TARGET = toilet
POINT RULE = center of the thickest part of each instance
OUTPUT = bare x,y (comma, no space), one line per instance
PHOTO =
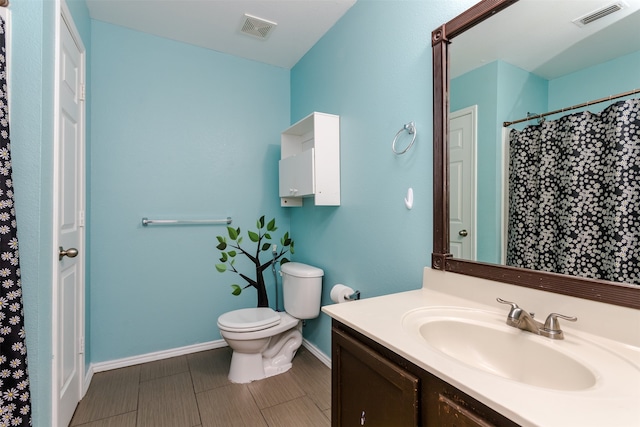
264,341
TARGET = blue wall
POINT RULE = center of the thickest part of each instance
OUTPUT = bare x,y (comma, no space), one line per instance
609,78
167,134
519,93
178,132
31,109
374,70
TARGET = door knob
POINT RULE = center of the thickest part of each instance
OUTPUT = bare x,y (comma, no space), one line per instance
463,233
71,253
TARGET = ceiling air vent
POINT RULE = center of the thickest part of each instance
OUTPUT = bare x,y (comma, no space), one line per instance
257,27
600,13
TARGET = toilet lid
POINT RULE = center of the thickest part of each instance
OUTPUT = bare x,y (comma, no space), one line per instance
248,319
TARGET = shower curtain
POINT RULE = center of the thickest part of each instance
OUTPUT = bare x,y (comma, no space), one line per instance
15,406
574,195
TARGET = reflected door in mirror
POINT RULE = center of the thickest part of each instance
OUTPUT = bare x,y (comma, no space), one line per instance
462,181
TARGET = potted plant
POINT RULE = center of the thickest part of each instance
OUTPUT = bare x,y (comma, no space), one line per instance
230,249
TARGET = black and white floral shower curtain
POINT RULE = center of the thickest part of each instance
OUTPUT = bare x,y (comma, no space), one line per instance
574,195
15,406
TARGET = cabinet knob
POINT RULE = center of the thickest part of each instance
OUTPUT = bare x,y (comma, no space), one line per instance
293,191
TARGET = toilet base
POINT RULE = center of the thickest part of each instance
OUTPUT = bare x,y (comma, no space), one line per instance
275,360
246,368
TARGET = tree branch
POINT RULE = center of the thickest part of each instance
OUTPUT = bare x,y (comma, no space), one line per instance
253,259
266,265
249,280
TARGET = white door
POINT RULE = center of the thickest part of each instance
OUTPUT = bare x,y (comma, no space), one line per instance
462,183
68,294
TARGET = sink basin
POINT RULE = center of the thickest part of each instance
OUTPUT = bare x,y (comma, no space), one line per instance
483,341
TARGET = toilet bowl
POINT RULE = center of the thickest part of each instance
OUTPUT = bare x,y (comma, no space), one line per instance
260,352
264,341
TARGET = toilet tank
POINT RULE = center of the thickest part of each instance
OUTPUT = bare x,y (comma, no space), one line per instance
301,289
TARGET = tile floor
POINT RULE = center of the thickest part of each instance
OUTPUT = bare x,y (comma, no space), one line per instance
193,391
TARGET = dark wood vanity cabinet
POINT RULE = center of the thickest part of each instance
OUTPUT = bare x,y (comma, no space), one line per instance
373,386
368,389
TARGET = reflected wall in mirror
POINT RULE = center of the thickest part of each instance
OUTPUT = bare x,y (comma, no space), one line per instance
492,66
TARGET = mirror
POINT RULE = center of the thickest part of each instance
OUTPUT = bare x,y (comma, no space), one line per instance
535,69
444,41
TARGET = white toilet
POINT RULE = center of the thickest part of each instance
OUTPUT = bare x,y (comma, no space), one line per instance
264,341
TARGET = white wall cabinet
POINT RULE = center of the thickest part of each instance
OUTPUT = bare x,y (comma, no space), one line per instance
310,161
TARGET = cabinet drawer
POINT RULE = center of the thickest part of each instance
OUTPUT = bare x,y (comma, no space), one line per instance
451,414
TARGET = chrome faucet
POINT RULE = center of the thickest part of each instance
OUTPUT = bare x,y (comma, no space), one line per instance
519,318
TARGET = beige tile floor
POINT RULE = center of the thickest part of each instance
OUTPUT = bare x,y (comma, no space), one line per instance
193,391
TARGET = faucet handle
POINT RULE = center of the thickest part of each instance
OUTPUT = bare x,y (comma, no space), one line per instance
512,304
552,323
551,326
514,314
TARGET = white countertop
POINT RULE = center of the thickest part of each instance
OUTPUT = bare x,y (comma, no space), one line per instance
613,401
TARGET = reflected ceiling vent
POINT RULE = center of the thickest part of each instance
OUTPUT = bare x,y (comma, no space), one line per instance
257,27
598,14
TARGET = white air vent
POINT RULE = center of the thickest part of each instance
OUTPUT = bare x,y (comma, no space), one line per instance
257,27
598,14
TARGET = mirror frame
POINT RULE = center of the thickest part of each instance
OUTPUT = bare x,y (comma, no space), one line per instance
592,289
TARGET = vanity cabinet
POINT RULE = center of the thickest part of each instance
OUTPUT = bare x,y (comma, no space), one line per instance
309,164
373,386
371,390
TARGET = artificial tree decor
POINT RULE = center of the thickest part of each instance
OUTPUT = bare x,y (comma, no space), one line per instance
229,250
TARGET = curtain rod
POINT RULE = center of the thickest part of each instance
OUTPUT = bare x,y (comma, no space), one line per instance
597,101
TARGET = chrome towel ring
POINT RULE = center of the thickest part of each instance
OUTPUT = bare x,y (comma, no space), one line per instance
411,129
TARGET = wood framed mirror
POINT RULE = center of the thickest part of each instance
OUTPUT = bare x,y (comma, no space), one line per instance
598,290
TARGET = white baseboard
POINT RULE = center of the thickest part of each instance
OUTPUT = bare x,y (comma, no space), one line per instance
88,376
317,353
157,355
180,351
149,357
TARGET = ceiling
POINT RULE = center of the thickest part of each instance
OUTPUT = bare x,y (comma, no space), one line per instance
540,37
216,24
535,35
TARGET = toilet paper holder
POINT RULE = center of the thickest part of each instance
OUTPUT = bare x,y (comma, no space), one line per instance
354,296
341,293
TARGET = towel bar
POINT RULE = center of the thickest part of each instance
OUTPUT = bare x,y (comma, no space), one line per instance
147,221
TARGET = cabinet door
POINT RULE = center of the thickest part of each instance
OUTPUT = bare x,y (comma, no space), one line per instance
368,389
297,175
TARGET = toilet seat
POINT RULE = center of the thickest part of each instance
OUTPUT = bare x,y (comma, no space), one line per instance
248,319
